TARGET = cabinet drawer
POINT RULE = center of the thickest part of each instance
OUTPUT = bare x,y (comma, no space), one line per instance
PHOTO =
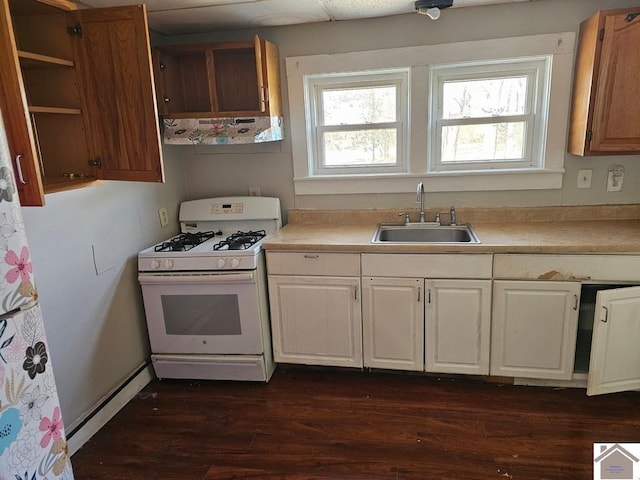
313,263
615,268
436,265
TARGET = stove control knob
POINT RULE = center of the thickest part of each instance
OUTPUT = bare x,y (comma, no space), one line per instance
221,262
235,263
168,264
155,264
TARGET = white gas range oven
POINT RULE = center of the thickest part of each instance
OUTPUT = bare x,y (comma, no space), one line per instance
205,293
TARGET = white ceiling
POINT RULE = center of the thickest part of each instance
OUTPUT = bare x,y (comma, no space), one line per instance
191,16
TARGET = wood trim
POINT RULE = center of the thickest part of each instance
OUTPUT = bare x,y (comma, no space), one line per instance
58,110
30,59
61,4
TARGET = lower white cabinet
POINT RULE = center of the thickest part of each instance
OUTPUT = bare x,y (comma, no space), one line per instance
534,328
315,317
458,326
443,313
393,323
615,347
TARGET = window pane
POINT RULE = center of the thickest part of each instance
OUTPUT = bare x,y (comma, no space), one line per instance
361,147
494,141
359,105
484,98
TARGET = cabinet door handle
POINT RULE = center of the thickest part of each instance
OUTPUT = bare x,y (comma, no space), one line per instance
429,296
19,168
631,16
355,293
575,304
605,318
419,291
307,255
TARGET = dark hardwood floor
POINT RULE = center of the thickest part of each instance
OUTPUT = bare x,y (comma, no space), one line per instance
328,424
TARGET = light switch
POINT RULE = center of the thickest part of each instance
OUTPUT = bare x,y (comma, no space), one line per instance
584,178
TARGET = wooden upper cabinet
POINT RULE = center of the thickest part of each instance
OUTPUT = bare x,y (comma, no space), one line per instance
77,96
225,79
605,104
115,72
16,116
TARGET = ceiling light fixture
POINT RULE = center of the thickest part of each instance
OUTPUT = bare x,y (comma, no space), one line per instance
432,8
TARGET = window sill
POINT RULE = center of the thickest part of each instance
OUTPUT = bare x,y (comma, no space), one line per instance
461,181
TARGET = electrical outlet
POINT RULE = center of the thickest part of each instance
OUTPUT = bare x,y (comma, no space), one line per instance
254,191
615,177
584,178
164,217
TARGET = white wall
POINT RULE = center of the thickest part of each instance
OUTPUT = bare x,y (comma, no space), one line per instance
94,323
226,170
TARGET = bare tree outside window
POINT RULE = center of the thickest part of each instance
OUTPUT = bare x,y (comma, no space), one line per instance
361,117
487,107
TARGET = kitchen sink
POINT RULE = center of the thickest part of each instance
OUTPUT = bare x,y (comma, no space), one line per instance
424,233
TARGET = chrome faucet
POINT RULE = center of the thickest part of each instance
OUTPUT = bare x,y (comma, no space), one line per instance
420,200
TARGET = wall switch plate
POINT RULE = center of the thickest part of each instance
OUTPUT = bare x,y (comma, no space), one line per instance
584,178
164,217
103,256
615,176
254,191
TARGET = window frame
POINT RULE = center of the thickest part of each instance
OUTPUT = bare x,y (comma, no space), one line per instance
538,72
560,46
316,84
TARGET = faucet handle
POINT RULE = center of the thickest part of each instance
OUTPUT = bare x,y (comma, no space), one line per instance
406,217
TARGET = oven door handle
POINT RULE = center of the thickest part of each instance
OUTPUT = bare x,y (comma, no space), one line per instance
185,279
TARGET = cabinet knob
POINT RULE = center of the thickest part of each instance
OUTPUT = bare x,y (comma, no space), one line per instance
166,99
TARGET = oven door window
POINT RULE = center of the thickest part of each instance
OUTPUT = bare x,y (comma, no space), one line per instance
187,317
201,314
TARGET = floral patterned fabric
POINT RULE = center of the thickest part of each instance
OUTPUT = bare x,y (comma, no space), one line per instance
32,439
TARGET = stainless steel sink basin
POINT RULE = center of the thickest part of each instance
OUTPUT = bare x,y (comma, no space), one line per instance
424,233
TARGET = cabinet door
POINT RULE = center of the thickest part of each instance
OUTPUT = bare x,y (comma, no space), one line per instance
615,347
534,328
14,109
604,105
457,326
117,91
393,323
616,126
268,65
316,320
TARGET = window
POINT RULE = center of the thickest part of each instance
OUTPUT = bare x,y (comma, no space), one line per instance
357,122
490,116
482,115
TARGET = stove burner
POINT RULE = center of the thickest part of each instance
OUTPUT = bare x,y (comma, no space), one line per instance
185,241
240,240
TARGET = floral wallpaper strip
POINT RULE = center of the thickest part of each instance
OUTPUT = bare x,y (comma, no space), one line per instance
33,444
222,131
